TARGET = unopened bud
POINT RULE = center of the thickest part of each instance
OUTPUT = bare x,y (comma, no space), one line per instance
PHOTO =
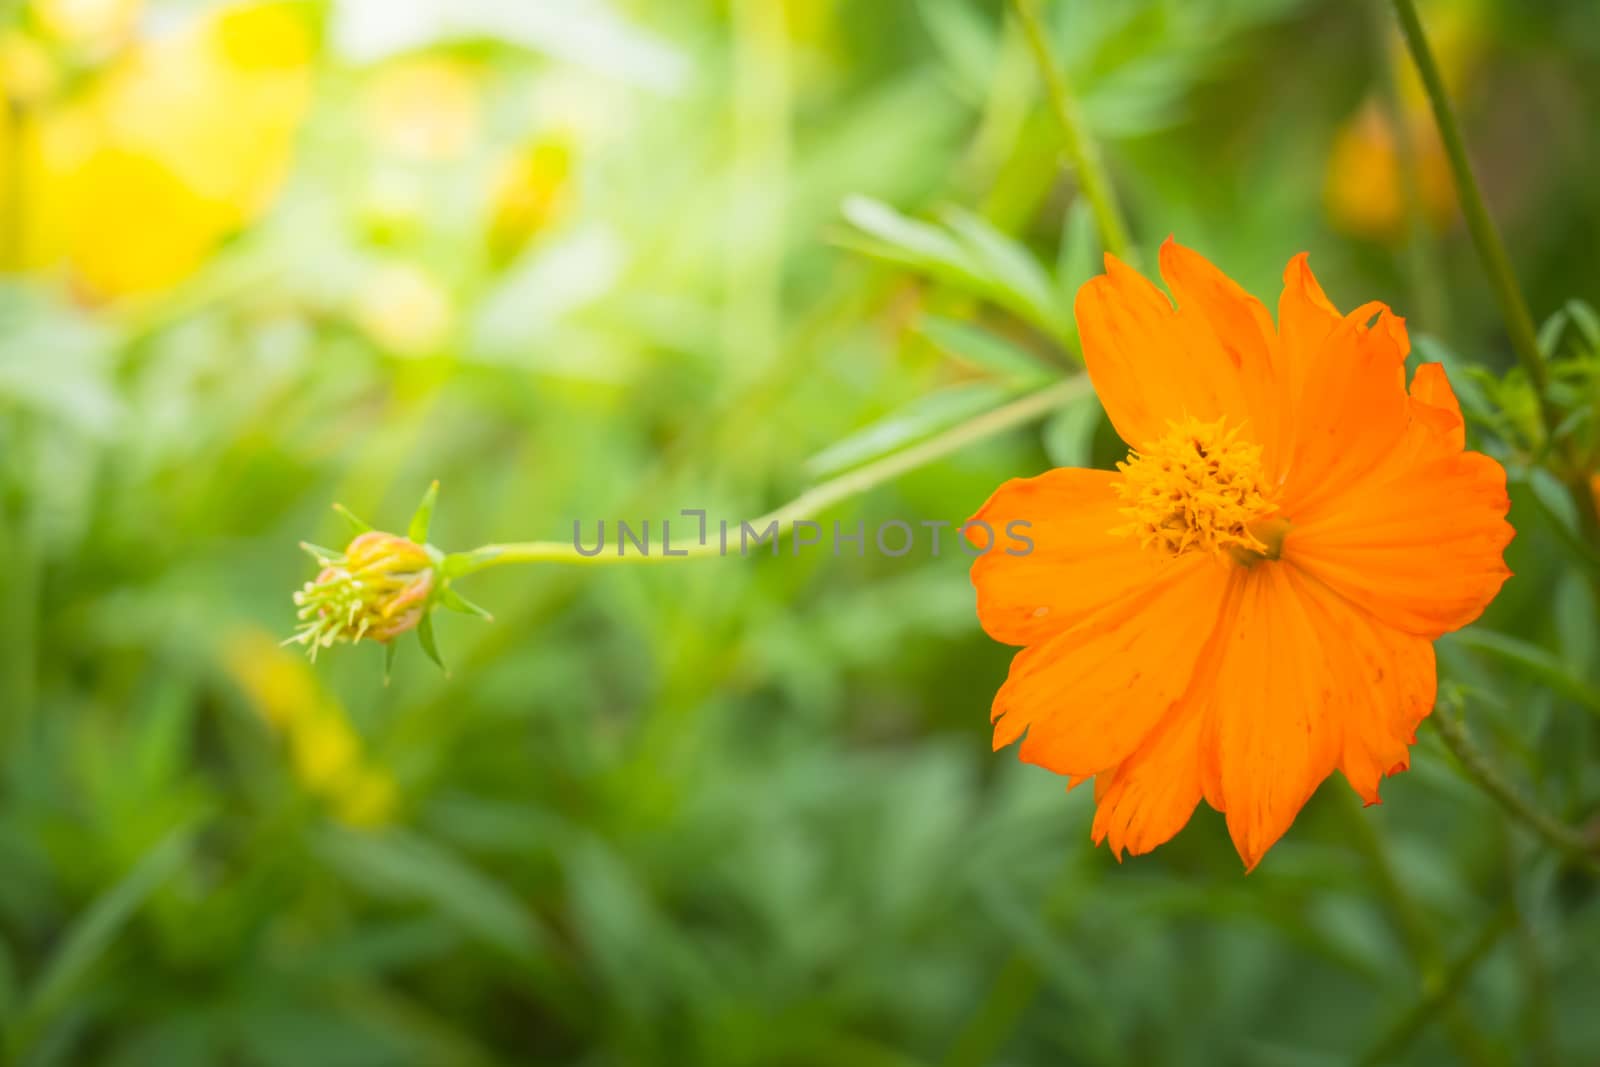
379,589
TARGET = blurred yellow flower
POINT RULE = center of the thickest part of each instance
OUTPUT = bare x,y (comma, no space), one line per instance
325,752
404,309
425,108
531,190
184,140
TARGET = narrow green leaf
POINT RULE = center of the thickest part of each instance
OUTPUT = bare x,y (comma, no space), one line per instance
1550,333
1076,261
390,650
1536,664
92,935
323,556
361,525
453,600
423,518
401,865
922,418
982,349
1069,435
1017,276
922,242
425,639
1587,321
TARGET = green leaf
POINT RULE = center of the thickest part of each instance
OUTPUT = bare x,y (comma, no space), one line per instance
1021,283
1550,332
982,349
1076,261
922,418
423,518
453,600
323,556
915,243
425,639
361,525
1538,665
402,865
1587,322
390,650
94,932
1069,435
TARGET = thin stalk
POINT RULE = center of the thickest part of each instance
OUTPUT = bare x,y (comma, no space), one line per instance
1414,1021
1485,237
1492,252
1572,842
1422,256
1419,938
1080,147
812,502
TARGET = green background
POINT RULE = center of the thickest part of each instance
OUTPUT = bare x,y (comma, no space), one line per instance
745,811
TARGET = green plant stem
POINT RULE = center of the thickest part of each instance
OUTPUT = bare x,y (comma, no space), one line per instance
810,503
1419,938
1453,732
1081,149
1485,237
1422,254
1497,264
1404,1031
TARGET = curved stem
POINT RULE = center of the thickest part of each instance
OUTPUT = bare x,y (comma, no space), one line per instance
1080,147
1453,732
810,503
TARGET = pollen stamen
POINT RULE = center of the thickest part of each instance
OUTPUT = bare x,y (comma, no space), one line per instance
1198,489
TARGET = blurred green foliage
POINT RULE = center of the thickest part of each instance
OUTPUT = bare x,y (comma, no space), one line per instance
583,261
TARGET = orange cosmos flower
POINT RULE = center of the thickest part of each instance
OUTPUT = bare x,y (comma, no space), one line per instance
1248,602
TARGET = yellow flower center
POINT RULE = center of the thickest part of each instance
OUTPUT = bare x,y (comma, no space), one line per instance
1200,489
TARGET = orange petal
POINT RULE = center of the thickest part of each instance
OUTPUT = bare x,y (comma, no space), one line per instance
1271,731
1150,796
1305,319
1076,565
1152,365
1090,695
1387,683
1216,315
1433,402
1419,542
1352,409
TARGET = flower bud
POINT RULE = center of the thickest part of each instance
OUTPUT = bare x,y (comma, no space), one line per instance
380,588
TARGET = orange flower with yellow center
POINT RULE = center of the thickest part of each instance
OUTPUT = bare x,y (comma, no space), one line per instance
1249,602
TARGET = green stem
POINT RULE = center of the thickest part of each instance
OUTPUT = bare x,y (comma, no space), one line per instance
1422,258
1485,237
1080,147
1492,251
1426,955
810,503
1453,732
1400,1036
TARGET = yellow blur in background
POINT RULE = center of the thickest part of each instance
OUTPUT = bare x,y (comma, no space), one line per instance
129,177
324,750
